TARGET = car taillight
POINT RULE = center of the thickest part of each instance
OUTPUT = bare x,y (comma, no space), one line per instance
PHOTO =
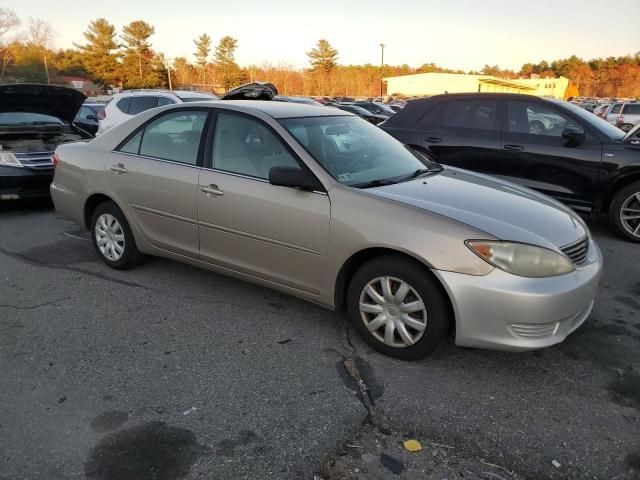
55,159
102,115
620,119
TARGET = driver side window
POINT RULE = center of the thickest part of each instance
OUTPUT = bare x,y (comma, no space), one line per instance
247,147
535,119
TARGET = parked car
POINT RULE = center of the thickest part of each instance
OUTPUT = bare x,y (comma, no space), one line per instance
576,157
612,112
376,108
588,106
325,206
305,100
131,102
362,113
628,117
87,117
600,109
34,120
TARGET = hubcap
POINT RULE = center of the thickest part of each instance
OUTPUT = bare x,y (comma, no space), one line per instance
109,237
393,312
630,214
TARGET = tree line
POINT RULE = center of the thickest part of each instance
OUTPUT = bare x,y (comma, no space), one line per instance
127,59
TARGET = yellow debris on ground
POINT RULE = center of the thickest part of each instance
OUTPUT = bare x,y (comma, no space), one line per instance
412,445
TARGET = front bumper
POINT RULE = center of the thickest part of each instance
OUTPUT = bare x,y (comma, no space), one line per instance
16,183
501,311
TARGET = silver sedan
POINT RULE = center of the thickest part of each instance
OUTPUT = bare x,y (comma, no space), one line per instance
322,205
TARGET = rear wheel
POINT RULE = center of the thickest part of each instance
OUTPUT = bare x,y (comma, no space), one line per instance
398,308
536,128
112,237
624,212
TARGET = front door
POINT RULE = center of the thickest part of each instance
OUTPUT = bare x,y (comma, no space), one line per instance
539,157
277,234
155,178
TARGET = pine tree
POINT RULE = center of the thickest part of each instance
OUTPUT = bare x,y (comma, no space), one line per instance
323,58
225,62
100,56
203,49
138,68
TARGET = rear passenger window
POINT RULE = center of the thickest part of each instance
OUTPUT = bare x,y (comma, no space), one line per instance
472,114
133,144
123,105
140,104
248,147
174,136
616,108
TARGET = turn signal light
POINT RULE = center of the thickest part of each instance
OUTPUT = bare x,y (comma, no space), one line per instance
55,159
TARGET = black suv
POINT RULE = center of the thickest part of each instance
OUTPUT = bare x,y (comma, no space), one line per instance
548,145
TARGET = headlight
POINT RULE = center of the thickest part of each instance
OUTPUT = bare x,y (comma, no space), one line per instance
521,259
9,160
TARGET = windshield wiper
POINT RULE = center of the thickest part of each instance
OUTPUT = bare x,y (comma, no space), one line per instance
374,183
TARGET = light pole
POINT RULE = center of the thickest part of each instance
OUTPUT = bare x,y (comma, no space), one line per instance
382,45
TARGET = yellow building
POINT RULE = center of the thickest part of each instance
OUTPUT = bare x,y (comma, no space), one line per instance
425,84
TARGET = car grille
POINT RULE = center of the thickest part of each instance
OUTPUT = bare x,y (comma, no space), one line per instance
577,251
532,331
36,160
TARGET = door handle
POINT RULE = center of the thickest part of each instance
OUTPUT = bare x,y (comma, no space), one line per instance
433,139
119,168
212,190
514,148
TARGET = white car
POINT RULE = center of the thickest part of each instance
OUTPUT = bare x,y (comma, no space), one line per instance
125,105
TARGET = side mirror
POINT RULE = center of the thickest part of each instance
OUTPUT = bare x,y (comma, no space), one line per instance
574,135
294,177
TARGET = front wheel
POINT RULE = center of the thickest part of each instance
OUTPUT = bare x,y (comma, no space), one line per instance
398,308
112,237
624,212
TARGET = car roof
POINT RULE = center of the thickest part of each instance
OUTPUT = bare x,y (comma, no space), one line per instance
275,109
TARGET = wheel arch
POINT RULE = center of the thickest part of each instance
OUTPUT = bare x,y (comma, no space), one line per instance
90,205
616,186
359,258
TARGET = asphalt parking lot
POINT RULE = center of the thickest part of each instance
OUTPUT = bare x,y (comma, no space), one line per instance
168,372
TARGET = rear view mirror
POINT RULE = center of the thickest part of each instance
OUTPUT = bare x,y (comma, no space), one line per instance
574,135
294,177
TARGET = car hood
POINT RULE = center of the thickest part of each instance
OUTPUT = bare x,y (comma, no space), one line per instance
501,209
60,102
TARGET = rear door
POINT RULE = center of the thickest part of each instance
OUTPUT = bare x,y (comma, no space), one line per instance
537,156
277,234
155,177
463,133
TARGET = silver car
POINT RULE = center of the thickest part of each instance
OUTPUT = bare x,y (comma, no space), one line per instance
320,204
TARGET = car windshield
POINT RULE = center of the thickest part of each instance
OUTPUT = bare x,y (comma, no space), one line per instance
28,118
357,153
614,133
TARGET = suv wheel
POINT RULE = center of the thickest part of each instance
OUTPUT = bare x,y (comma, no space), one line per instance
624,212
398,308
112,237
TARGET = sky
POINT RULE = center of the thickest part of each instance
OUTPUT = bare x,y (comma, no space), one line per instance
460,34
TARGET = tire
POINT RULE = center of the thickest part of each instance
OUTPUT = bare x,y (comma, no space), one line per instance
625,203
536,128
436,315
115,244
625,127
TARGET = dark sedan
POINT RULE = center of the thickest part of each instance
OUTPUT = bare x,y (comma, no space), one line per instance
362,113
549,145
34,120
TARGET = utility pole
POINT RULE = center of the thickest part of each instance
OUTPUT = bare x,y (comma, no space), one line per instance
382,45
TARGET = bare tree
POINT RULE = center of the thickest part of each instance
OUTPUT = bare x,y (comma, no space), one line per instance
9,21
41,34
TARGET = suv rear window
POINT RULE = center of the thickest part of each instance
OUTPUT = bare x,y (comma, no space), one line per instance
616,108
631,109
140,104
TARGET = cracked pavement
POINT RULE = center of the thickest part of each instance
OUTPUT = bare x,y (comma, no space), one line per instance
172,372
